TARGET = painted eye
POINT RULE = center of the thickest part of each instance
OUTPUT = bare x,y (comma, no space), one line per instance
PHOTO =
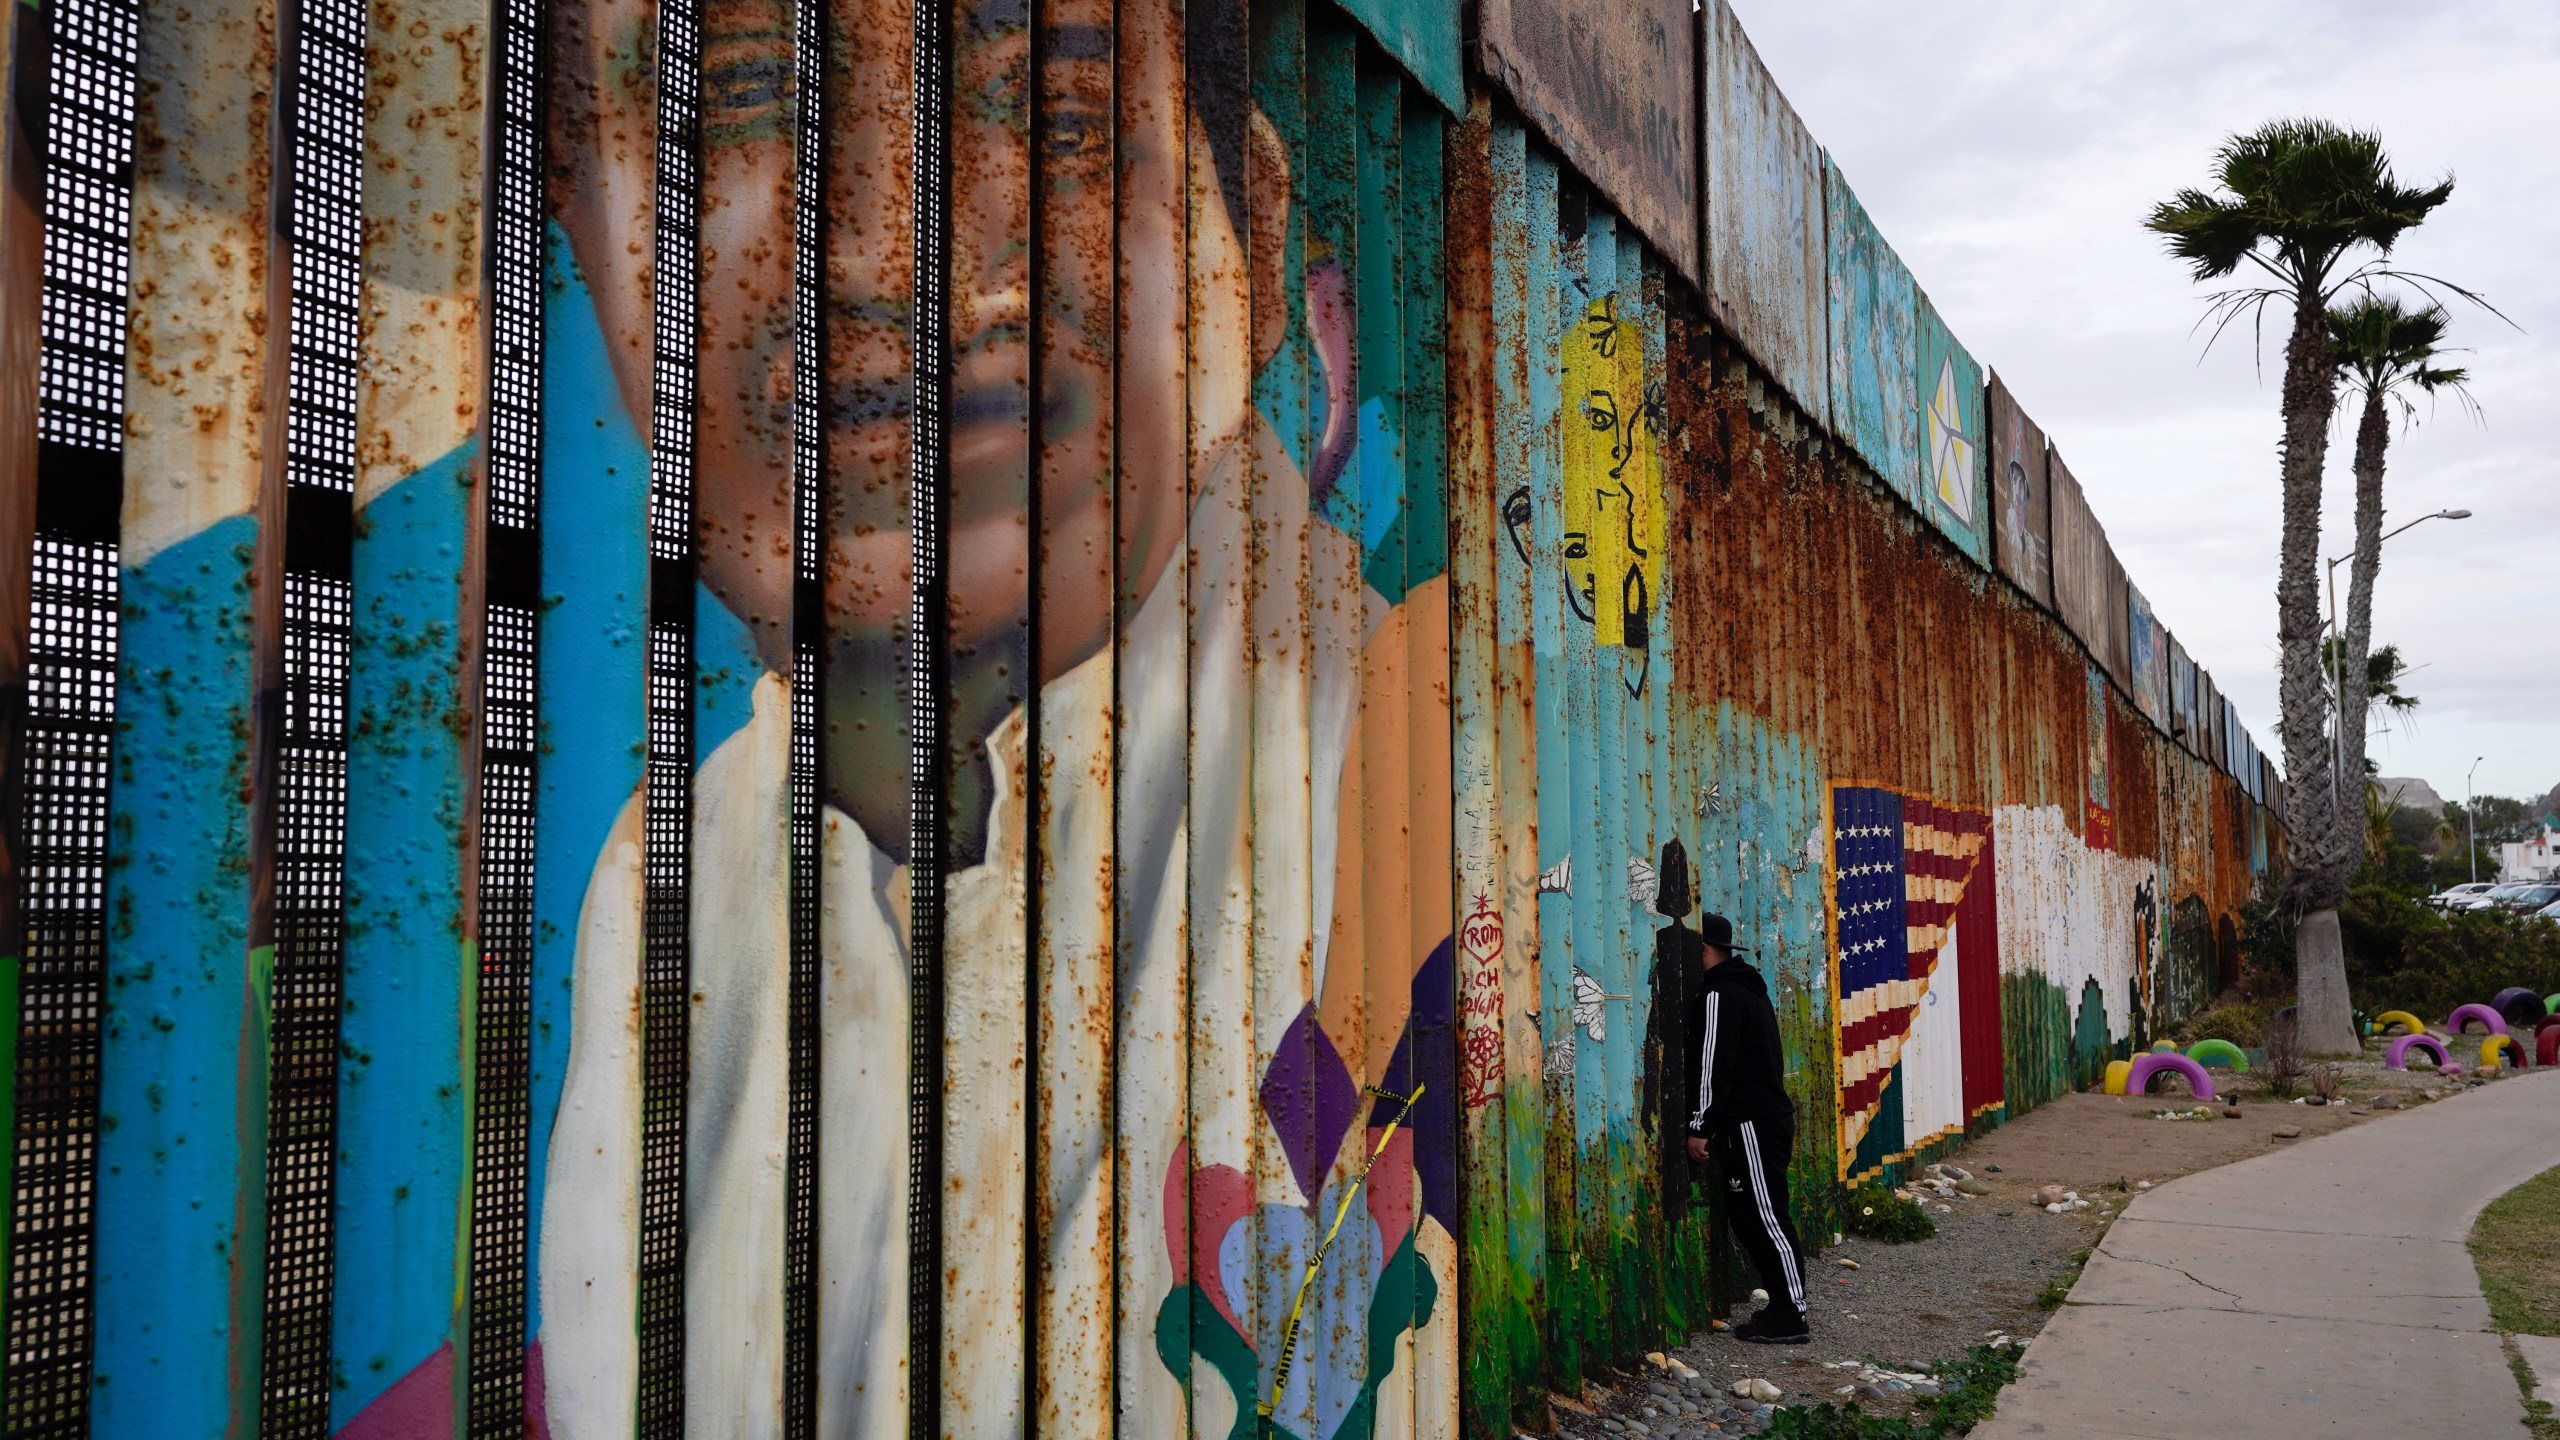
1074,132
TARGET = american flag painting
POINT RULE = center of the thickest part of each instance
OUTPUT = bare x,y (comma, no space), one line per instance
1918,973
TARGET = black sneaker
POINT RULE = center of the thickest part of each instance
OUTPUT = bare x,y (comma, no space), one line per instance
1768,1329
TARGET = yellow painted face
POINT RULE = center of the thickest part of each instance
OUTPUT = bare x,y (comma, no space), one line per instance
1612,463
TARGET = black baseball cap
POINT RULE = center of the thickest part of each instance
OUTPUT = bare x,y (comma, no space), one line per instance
1718,931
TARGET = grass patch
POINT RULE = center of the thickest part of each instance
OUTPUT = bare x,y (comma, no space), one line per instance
1973,1389
2516,1245
2058,1289
2539,1422
1878,1214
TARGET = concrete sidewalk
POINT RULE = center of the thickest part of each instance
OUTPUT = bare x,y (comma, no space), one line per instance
2322,1290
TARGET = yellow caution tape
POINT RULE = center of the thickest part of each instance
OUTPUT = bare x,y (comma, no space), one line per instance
1298,1307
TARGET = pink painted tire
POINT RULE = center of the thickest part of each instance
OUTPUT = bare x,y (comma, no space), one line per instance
2138,1079
2465,1014
2396,1055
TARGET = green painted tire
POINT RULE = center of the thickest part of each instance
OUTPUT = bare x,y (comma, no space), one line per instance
2223,1052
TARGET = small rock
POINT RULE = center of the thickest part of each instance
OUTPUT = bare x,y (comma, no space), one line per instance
1718,1325
2056,1208
2288,1132
1972,1187
1991,1169
1613,1425
1845,1263
2143,1185
1956,1173
2315,1100
2006,1214
1871,1392
1742,1388
2051,1195
1763,1390
1759,1297
2386,1102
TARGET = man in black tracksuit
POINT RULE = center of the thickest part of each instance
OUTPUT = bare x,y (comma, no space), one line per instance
1739,1112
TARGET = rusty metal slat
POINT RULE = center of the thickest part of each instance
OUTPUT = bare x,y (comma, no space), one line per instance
1073,1158
1151,715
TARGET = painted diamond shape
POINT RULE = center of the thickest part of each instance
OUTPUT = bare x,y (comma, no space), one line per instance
1950,453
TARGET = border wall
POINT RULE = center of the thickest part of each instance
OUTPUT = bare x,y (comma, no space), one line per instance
737,719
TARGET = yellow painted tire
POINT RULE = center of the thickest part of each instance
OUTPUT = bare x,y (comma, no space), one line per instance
2383,1022
2164,1047
2116,1071
2489,1048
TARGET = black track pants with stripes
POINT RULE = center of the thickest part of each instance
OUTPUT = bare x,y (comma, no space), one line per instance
1753,1158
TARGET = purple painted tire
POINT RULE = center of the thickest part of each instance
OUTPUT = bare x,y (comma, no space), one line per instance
2138,1079
2397,1054
2464,1014
2520,1006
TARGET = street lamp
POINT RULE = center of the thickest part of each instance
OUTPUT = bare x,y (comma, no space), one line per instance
2337,642
2471,819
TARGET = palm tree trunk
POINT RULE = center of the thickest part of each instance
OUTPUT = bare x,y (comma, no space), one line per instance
2373,441
2324,1022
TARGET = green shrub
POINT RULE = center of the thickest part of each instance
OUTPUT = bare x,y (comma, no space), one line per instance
2243,1024
2401,955
1878,1214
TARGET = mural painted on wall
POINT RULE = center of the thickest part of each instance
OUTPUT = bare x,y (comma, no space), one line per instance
1613,528
1917,967
2021,503
1301,418
2097,798
1953,477
2078,933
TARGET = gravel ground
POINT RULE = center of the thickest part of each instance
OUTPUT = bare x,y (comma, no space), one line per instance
1903,1307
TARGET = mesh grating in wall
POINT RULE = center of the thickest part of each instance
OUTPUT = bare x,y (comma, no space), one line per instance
667,826
321,85
83,132
929,467
808,633
502,1005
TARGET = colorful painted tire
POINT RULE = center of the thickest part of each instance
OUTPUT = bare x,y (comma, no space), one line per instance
2116,1071
2521,1006
2490,1048
2397,1054
2465,1014
2546,1047
2164,1047
2383,1022
2207,1052
2551,1003
2138,1079
2546,1023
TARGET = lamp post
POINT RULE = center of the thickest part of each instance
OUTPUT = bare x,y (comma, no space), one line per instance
2471,819
2337,643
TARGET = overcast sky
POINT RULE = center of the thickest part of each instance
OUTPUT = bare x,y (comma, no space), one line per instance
2009,151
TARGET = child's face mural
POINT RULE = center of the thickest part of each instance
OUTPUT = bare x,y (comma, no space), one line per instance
1000,313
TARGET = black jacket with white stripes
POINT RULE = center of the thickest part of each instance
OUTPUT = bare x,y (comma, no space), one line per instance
1737,1068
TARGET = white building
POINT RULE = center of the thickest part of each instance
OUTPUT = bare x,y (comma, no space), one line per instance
2534,858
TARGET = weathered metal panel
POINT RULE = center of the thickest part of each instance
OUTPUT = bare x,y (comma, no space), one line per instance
1493,1323
2182,697
181,1184
2079,560
2021,498
1954,479
2145,667
1072,778
1422,36
1615,91
401,1121
583,1184
1874,312
2116,615
1765,244
1522,226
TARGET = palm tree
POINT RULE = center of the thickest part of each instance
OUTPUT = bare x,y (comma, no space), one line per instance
2386,352
2310,209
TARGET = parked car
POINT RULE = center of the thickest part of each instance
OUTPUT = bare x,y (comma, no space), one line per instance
2530,898
2550,912
2481,899
2445,900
